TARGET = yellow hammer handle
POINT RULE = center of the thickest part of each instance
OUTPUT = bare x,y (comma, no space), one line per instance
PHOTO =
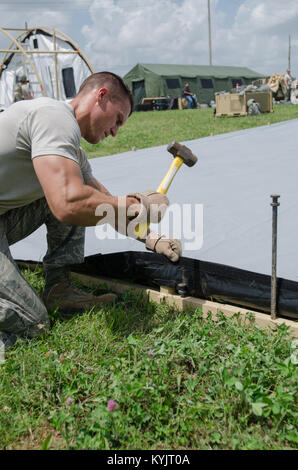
141,229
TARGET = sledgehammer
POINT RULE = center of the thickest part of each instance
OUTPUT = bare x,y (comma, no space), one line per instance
181,154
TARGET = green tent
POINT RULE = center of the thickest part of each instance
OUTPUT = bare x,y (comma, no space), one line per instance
154,80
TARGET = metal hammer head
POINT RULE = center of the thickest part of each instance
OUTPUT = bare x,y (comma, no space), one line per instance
178,150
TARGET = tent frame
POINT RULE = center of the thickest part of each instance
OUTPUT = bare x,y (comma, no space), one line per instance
16,41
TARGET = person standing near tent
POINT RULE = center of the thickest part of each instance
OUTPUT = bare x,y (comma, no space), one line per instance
46,179
288,82
191,98
22,90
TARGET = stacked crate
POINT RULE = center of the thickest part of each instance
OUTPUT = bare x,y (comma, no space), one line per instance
232,104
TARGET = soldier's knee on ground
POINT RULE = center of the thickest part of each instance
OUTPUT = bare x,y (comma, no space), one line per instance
16,327
22,321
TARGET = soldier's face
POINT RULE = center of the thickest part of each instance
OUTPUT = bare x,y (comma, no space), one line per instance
106,117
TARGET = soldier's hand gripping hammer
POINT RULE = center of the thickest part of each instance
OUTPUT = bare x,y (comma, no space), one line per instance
181,154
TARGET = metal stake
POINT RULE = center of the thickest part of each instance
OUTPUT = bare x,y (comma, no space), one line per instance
182,287
274,205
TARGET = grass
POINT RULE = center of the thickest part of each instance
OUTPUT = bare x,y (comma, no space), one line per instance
180,382
153,128
206,385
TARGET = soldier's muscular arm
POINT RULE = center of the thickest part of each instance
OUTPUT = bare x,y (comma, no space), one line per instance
94,183
69,199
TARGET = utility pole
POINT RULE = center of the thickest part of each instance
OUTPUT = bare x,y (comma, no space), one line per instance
289,56
209,29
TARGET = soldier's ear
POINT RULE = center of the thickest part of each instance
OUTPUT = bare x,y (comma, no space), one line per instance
101,93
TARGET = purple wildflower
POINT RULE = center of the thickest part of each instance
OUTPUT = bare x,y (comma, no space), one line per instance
150,352
69,400
112,405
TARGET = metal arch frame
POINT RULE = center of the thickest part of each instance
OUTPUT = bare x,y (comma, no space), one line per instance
75,46
20,48
56,35
54,30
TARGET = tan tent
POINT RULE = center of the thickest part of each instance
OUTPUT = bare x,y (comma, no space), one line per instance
276,82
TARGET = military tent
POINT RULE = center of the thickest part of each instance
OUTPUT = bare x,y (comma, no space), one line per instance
50,60
154,80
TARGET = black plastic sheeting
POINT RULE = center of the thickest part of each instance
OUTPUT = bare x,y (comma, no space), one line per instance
201,279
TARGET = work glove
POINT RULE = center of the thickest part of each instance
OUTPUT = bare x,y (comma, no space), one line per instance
170,247
153,206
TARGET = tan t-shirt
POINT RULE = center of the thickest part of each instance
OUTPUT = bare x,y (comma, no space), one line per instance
29,129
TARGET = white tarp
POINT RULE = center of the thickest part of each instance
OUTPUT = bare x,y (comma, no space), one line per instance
45,66
235,175
7,82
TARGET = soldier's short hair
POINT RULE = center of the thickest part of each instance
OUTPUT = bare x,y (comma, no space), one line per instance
115,84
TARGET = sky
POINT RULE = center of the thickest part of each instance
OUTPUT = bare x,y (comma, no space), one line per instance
115,35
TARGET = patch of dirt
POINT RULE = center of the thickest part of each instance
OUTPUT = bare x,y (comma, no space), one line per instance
34,439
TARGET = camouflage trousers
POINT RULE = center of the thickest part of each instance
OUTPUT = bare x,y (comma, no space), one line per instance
22,312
